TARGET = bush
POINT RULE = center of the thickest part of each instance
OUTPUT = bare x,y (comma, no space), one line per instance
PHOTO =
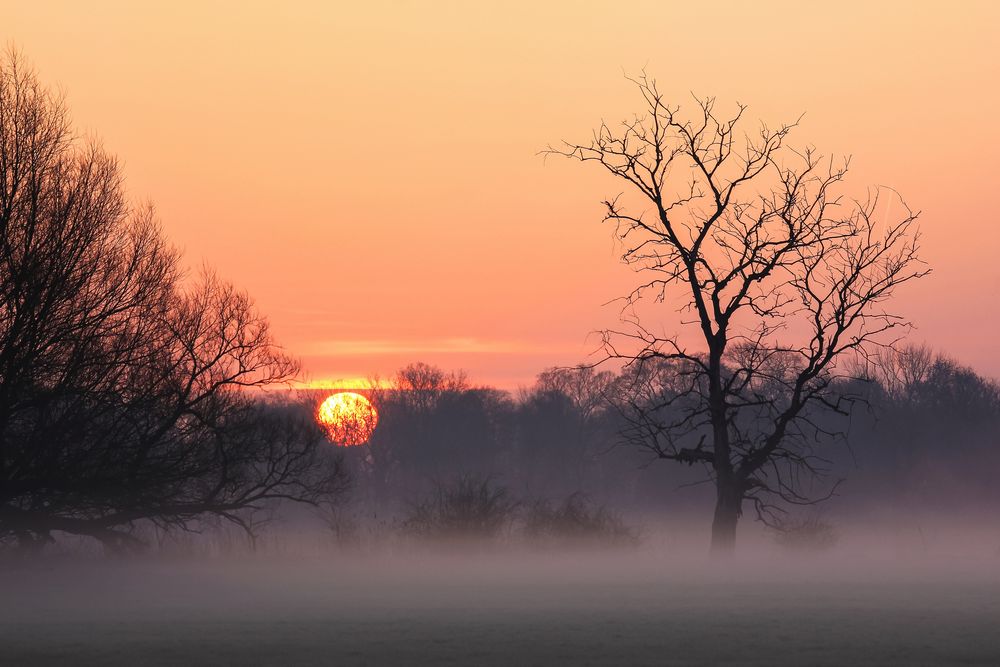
576,521
470,506
809,534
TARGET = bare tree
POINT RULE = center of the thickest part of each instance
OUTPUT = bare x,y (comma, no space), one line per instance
125,390
562,421
586,388
899,371
784,277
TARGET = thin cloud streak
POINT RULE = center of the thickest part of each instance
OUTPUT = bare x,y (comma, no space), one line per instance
345,384
369,347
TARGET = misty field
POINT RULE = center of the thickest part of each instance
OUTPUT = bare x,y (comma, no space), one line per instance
507,609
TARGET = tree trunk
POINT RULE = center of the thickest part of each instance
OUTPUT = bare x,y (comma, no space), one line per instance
728,504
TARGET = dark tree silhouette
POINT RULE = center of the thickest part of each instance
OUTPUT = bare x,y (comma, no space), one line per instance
124,389
585,388
933,417
433,423
785,279
561,433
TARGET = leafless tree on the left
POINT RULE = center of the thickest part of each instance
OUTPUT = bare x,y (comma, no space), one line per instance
127,390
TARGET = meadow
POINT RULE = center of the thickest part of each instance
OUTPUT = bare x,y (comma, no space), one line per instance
504,607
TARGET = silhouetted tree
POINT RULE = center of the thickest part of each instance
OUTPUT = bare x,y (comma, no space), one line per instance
433,423
586,388
124,390
933,439
550,448
898,372
562,428
785,278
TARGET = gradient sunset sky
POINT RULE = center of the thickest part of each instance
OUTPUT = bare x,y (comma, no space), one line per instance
369,171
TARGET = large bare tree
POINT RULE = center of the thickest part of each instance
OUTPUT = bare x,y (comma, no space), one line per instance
126,389
782,279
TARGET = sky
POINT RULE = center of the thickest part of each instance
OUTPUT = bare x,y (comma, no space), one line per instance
370,172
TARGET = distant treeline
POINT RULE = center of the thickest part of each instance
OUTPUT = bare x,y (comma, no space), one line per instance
923,431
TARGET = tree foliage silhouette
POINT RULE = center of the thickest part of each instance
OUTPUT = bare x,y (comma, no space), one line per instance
123,385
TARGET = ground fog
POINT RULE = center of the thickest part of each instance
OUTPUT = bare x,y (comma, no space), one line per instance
487,605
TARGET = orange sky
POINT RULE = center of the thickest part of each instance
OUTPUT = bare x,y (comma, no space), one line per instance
369,171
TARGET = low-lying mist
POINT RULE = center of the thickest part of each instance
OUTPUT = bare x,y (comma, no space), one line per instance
922,594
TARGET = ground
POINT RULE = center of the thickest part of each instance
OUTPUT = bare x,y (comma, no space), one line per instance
499,609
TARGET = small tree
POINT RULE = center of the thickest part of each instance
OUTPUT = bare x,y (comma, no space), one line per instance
785,279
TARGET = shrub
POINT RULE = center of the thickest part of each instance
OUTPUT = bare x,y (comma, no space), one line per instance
811,533
576,521
470,506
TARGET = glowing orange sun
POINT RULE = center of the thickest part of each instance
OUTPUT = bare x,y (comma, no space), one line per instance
348,418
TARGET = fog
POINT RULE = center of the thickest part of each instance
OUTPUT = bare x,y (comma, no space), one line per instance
924,597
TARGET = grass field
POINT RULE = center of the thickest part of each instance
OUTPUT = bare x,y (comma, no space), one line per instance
500,609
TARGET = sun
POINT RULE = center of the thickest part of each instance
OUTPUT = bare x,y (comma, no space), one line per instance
348,418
